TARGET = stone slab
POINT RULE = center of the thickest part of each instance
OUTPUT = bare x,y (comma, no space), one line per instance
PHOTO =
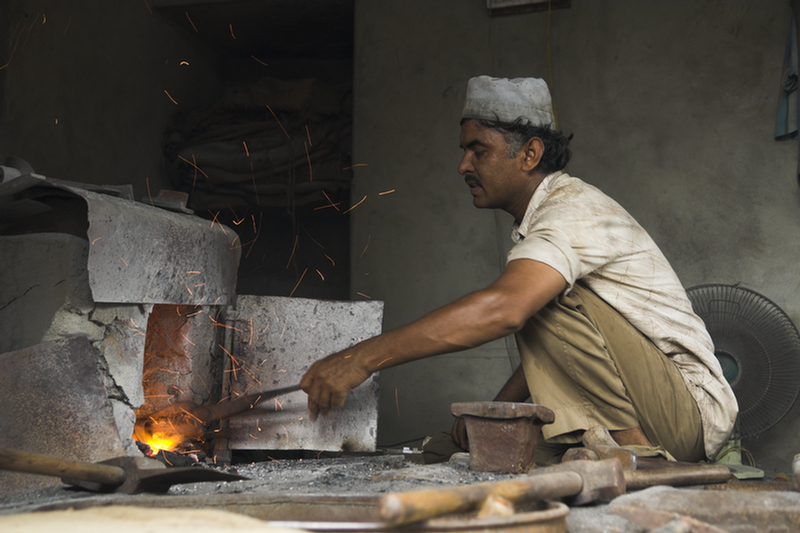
275,341
54,403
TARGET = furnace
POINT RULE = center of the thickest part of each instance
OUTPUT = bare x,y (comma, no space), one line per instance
151,294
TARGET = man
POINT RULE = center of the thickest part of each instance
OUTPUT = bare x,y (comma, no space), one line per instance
606,334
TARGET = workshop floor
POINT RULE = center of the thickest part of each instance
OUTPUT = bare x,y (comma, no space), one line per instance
733,510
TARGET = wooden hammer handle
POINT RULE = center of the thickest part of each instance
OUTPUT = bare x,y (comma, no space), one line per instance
407,507
33,463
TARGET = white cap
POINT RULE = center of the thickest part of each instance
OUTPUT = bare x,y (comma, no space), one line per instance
504,100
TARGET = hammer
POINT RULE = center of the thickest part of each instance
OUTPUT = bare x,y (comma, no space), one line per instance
583,481
126,475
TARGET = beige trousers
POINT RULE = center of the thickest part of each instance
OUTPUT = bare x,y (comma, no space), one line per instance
588,364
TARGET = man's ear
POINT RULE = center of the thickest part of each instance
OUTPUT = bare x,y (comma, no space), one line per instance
532,152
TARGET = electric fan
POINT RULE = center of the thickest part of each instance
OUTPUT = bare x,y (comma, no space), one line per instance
758,347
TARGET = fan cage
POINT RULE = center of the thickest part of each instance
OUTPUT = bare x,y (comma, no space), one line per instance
759,348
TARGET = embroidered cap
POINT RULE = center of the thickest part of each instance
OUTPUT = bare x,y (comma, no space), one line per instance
506,100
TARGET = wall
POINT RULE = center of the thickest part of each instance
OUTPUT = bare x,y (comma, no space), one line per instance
672,105
85,89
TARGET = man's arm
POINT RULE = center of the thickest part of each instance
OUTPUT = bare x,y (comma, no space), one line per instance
524,287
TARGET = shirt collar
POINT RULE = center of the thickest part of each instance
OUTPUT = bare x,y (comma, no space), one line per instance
520,229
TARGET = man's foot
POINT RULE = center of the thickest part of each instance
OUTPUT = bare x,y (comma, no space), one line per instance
631,437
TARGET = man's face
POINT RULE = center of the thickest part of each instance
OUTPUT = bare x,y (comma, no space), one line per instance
494,179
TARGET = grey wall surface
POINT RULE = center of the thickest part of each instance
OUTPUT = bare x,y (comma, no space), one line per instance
84,89
673,107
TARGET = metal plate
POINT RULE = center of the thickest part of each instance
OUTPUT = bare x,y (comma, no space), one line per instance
275,341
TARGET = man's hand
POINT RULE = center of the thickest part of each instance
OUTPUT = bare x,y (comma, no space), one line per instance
329,380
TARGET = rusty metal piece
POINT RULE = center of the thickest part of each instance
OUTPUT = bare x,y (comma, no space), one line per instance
126,475
580,481
652,520
680,476
502,435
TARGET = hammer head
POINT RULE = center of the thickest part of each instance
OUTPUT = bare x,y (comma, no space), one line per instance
602,480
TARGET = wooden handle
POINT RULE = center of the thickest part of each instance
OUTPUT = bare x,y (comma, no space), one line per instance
407,507
33,463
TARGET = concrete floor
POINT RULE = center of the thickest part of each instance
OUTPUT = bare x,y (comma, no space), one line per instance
291,490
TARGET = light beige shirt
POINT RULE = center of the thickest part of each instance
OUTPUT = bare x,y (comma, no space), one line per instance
583,234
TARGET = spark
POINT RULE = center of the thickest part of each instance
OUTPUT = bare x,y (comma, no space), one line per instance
194,165
148,6
193,272
123,260
310,237
309,136
246,151
190,22
97,239
369,237
257,59
331,201
184,63
231,27
194,314
296,240
233,360
253,177
348,356
188,340
201,284
239,223
134,323
364,295
287,321
44,18
331,260
298,282
396,402
279,122
149,196
287,432
214,219
69,20
390,191
170,97
353,207
320,274
308,157
278,405
251,331
15,45
272,459
388,358
327,206
194,179
354,166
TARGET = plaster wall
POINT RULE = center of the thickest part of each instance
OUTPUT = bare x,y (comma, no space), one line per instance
89,87
673,107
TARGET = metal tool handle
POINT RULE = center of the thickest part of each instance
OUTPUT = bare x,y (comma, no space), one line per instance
407,507
33,463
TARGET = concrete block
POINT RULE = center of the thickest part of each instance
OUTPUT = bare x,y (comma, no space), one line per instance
275,341
54,403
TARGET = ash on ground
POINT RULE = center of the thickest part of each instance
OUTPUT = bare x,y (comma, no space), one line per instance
344,475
